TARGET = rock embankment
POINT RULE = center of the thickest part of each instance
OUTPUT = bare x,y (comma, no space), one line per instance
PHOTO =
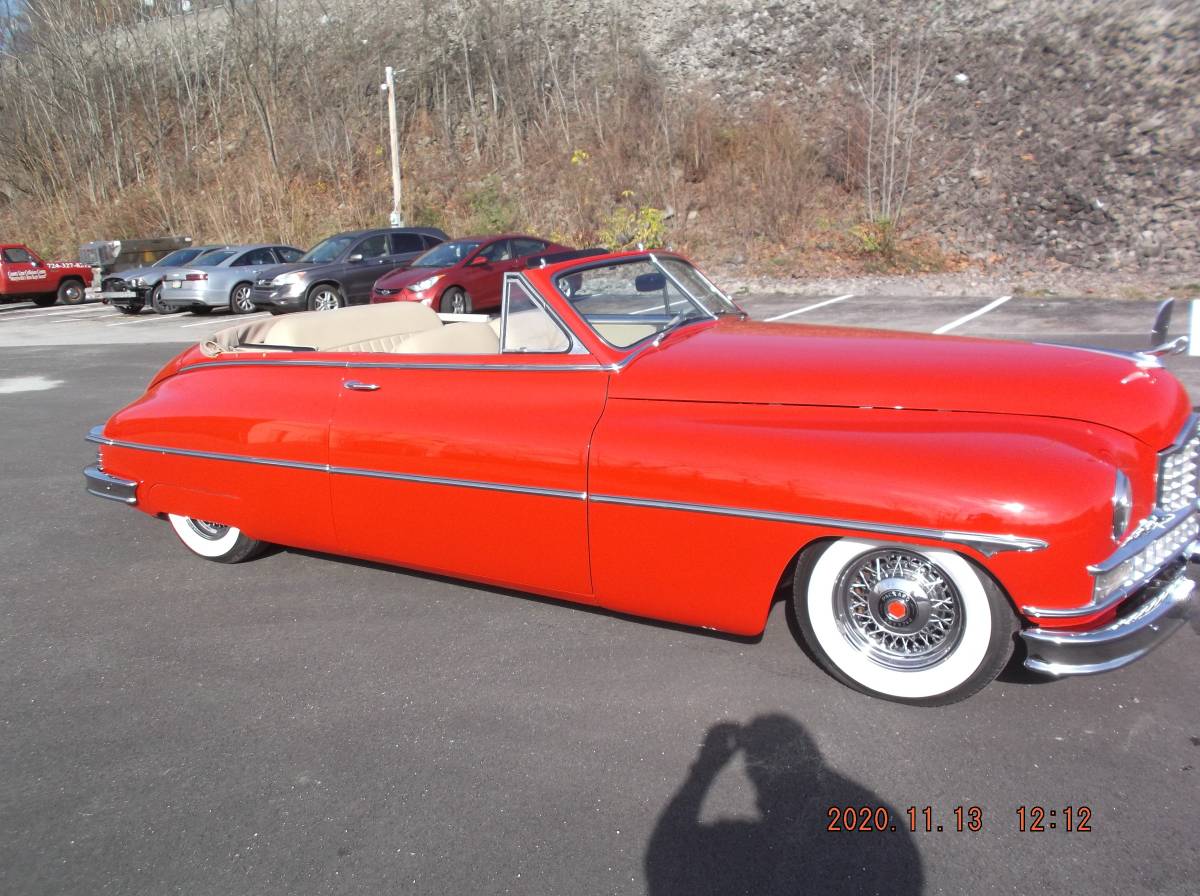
1062,129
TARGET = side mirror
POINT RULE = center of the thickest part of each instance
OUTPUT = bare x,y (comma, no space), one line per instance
653,282
355,258
1162,323
1159,346
477,261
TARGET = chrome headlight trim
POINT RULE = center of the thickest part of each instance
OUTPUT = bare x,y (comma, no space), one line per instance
1122,504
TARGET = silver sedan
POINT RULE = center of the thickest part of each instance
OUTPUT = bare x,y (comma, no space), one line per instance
222,279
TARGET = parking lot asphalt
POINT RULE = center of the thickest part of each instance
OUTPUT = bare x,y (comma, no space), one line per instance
309,724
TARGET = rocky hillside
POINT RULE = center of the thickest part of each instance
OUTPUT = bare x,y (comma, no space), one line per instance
1069,127
1057,130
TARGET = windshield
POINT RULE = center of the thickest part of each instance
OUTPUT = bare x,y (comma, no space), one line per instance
212,259
328,250
446,254
178,257
634,299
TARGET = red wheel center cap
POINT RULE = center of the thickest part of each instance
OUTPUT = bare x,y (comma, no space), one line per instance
896,609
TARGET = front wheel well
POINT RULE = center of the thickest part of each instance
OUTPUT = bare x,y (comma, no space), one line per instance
799,567
321,283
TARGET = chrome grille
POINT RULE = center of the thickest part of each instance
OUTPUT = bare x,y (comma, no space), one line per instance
1141,559
1177,471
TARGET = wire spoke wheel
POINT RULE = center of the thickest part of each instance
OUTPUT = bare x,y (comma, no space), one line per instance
916,624
206,529
899,608
215,541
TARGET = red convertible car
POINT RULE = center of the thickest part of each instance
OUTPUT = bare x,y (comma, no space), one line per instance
636,443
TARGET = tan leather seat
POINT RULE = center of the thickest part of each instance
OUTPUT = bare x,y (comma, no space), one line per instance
532,331
392,328
364,328
452,339
625,334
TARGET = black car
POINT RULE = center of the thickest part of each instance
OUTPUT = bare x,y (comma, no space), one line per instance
341,269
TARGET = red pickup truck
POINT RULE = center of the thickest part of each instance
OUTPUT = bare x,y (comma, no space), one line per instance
24,275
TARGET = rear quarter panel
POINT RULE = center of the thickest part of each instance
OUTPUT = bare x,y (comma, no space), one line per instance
272,412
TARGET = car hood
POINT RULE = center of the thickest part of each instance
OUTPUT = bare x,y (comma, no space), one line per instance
276,269
403,277
759,363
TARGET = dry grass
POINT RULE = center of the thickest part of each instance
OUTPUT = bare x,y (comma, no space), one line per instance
507,132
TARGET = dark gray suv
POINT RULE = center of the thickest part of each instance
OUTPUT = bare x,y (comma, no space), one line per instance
340,270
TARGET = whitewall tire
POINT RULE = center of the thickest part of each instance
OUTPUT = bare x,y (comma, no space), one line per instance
214,541
904,622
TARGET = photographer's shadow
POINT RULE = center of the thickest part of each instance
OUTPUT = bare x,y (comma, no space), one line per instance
789,850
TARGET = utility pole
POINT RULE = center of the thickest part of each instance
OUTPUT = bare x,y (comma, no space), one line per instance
389,87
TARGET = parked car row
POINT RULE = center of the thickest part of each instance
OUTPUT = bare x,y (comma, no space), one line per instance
390,264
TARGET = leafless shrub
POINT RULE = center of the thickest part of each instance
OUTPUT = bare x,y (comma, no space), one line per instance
892,91
264,120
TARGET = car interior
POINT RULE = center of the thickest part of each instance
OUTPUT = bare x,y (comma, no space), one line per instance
404,328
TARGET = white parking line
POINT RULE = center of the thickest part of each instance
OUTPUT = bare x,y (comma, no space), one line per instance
147,319
808,308
74,320
967,318
89,310
37,311
659,307
209,323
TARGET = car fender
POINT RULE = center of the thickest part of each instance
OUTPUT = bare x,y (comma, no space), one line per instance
743,488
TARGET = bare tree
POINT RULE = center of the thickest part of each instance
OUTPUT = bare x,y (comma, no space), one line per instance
894,89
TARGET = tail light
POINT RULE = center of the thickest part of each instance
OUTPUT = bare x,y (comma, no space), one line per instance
195,276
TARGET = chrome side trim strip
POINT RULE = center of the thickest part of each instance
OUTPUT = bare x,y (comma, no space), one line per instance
398,365
984,543
461,483
95,436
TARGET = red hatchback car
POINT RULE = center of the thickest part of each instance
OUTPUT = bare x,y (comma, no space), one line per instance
464,275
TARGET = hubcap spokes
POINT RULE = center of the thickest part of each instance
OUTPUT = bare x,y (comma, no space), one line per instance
326,301
900,609
241,299
208,530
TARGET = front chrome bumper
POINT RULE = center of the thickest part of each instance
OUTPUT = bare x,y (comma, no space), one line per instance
1165,604
102,485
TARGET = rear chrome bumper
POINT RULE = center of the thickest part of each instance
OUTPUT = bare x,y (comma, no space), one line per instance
1164,606
102,485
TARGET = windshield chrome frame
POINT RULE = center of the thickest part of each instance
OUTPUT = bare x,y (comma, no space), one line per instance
687,292
575,347
636,348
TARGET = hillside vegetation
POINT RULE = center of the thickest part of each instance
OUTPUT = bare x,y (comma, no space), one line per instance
806,137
